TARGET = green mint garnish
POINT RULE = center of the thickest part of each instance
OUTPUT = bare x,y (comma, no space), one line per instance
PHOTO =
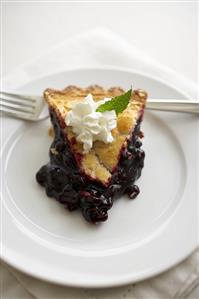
118,103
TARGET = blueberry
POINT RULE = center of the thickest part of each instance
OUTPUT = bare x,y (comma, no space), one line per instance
138,143
94,214
132,191
41,176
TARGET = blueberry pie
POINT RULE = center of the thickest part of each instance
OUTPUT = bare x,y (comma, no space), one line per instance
96,153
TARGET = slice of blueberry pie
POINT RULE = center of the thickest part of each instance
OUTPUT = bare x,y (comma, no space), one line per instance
96,154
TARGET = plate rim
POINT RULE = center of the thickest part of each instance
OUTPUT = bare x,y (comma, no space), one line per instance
108,67
127,279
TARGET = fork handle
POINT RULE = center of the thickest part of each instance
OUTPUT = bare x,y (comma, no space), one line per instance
173,105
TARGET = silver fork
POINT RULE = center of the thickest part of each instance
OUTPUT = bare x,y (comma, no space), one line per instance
26,107
187,106
33,108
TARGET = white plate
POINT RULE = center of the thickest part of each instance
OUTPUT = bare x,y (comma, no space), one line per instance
141,238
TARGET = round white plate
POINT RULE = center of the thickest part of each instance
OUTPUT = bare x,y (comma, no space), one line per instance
141,237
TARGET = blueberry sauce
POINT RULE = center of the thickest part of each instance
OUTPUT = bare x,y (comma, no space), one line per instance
63,180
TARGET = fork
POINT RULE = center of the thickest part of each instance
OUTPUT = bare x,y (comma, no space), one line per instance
33,108
22,106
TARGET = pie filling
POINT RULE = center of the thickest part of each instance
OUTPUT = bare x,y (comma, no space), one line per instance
64,181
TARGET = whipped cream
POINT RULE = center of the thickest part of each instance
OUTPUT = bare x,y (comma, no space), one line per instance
89,125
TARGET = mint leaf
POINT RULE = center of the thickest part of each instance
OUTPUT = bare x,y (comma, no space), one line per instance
118,103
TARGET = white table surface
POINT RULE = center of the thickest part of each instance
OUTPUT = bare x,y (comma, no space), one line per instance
166,31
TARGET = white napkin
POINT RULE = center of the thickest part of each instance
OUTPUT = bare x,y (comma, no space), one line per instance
97,47
101,47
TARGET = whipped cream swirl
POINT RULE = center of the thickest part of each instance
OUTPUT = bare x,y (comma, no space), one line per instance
89,125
